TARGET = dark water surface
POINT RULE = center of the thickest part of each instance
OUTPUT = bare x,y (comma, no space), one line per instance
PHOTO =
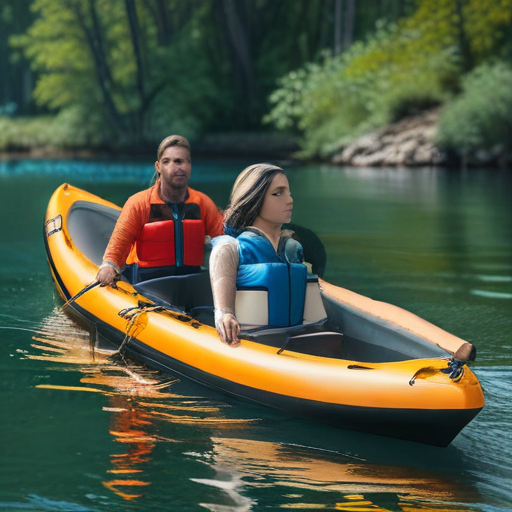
82,433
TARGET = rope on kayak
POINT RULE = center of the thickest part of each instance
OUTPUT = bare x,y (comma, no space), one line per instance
455,371
90,286
132,314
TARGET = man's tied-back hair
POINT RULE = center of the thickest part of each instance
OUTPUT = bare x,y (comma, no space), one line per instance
247,197
172,140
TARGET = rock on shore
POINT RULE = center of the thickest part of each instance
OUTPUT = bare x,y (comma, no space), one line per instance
409,142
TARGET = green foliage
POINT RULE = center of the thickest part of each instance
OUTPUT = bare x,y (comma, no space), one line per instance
71,129
22,134
146,68
402,68
84,53
481,117
126,73
368,86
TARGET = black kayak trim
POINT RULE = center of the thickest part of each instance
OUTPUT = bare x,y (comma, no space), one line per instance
408,424
417,425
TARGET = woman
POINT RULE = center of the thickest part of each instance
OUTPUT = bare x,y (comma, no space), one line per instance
260,204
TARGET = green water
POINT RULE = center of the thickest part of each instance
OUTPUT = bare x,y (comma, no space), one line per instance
82,433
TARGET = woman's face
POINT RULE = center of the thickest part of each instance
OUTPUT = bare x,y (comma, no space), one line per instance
278,203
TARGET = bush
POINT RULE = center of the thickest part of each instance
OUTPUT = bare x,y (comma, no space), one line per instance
371,85
481,116
72,128
400,70
20,134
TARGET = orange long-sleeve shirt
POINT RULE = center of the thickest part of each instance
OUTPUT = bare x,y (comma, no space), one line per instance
137,212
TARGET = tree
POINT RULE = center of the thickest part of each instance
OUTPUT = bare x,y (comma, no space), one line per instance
128,72
109,64
16,78
402,68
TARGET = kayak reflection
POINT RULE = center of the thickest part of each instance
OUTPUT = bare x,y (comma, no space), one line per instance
300,473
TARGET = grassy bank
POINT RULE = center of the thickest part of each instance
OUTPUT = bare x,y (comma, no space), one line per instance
47,136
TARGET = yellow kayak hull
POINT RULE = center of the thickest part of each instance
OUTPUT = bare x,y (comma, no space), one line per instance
413,399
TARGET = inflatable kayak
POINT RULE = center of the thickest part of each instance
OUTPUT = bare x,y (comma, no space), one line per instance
354,363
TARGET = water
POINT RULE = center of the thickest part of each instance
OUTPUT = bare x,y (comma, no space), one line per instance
80,432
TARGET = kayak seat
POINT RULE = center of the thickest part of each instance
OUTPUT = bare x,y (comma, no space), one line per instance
314,310
186,292
135,274
323,344
323,339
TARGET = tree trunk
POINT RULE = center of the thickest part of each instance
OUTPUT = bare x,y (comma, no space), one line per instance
16,77
133,21
348,32
338,16
160,13
465,50
94,37
237,32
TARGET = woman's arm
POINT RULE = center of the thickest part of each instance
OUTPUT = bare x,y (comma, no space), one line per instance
223,273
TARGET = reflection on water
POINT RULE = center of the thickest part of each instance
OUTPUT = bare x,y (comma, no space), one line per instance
97,434
302,473
144,413
138,398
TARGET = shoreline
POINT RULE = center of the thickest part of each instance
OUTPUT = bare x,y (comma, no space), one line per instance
408,143
411,142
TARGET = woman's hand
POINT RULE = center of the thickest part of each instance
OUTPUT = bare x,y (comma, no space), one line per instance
228,327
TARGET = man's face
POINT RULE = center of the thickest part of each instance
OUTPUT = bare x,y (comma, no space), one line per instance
174,167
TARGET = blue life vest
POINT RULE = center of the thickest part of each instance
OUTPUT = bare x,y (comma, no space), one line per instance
283,275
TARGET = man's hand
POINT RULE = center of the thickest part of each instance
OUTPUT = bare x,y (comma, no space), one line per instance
106,274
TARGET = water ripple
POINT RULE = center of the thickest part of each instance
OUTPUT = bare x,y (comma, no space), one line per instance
495,279
40,503
110,171
491,295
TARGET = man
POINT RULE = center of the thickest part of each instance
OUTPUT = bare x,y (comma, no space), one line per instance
161,230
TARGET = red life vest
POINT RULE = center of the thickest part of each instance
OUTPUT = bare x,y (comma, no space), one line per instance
156,245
